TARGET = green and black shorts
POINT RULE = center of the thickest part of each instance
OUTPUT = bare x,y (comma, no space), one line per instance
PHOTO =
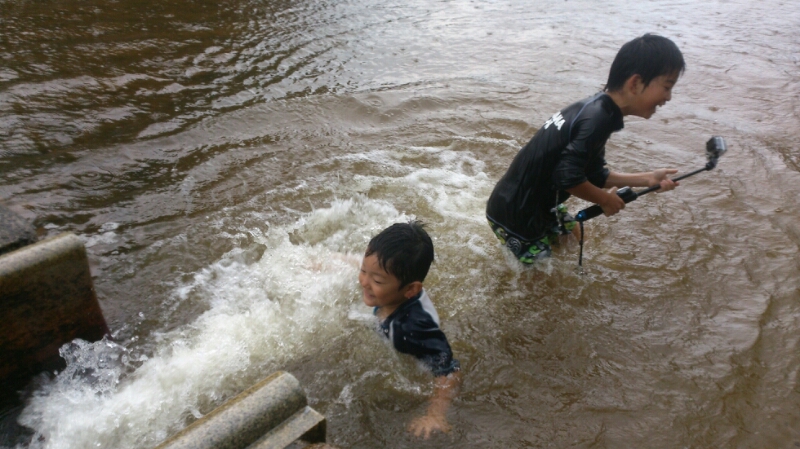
529,252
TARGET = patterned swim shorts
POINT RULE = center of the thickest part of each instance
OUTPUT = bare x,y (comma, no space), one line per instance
529,252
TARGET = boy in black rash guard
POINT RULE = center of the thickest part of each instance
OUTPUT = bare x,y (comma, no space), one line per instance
394,267
567,155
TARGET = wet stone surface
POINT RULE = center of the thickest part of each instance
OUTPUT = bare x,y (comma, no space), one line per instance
15,232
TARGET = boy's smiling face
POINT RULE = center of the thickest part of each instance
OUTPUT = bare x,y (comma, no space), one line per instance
655,94
382,289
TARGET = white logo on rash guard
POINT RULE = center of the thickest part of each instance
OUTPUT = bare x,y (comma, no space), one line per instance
556,119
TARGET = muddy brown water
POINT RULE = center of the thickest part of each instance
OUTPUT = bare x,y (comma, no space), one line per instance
216,156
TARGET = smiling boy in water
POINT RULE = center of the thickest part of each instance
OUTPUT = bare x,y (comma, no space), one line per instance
567,155
394,266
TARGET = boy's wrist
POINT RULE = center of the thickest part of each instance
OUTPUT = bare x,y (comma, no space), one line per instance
610,197
437,410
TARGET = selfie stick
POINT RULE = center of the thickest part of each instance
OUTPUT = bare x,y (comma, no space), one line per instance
715,147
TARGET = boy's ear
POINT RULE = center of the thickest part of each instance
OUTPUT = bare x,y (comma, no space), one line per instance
411,290
634,84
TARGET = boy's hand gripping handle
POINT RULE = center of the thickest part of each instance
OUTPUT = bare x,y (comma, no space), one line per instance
627,195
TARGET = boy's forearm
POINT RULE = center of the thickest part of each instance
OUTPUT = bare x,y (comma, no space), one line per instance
589,192
445,388
628,179
608,201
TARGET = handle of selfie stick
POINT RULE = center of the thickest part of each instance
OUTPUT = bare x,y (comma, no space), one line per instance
590,212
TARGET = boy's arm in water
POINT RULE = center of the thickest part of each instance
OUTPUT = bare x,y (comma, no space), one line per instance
445,388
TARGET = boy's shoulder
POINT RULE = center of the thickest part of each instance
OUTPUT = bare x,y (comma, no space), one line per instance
600,110
599,106
418,310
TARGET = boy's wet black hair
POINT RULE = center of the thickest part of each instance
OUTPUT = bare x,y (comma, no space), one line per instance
648,56
404,250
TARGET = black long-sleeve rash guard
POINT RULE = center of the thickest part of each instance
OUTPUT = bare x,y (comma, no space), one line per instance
568,150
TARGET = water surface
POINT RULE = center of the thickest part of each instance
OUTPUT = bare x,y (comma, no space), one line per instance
216,156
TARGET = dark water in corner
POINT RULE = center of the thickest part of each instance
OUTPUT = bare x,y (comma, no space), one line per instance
214,155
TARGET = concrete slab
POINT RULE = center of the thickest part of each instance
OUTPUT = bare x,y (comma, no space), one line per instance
15,232
46,299
255,412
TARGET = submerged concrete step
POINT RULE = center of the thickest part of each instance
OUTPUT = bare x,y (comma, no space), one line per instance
15,232
46,299
305,425
271,414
